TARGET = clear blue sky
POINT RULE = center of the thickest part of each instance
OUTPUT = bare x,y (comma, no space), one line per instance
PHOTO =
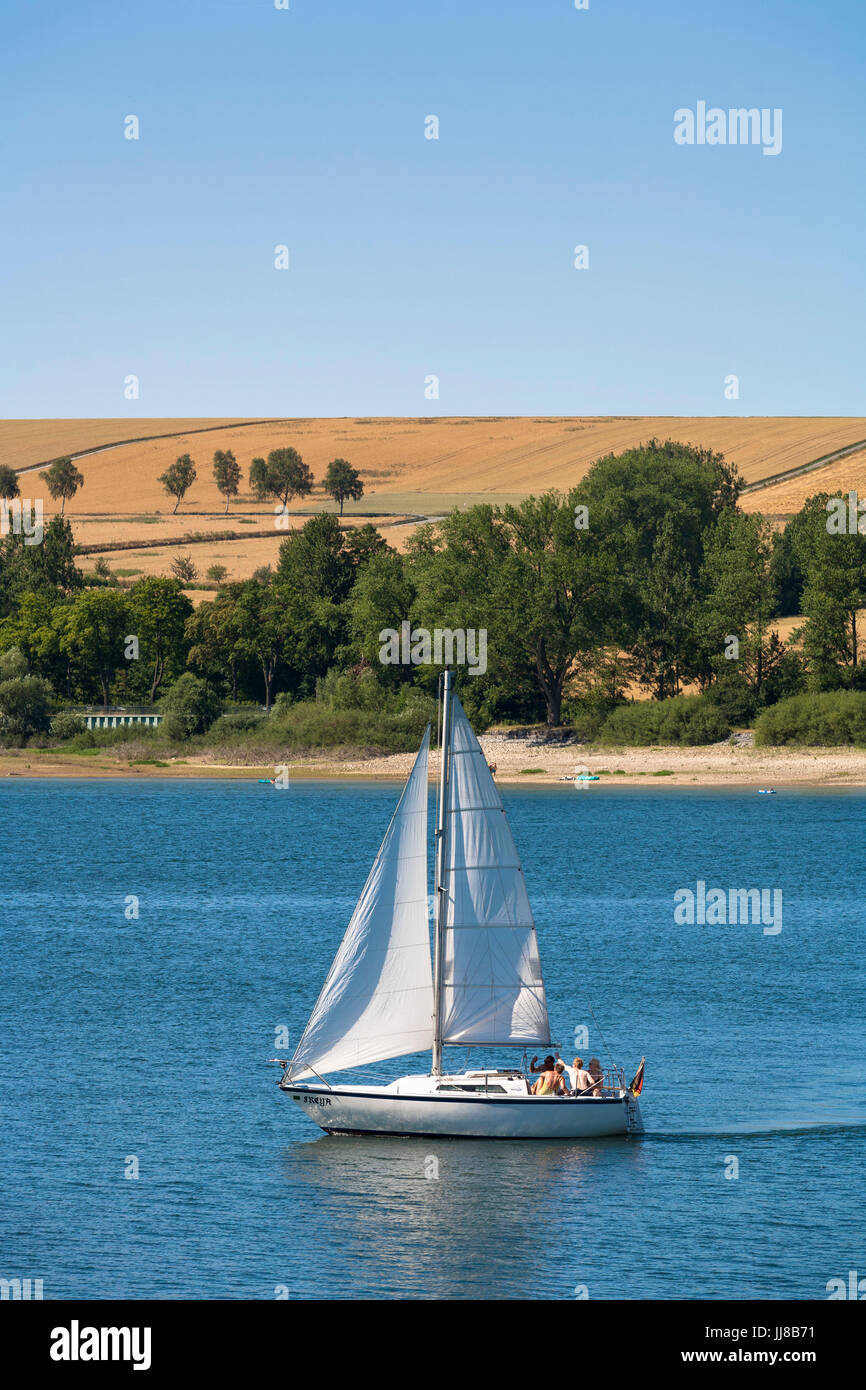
410,256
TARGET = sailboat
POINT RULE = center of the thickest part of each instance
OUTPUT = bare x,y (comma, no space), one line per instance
384,997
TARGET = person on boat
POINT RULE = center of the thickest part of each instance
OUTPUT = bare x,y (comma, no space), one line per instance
547,1065
597,1074
580,1078
561,1083
551,1083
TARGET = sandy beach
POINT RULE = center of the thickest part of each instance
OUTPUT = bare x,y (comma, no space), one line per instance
520,761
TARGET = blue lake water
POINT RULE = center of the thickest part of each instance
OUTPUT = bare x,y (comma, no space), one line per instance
148,1039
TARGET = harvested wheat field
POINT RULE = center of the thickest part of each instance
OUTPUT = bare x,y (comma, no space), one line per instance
27,443
426,456
412,468
784,498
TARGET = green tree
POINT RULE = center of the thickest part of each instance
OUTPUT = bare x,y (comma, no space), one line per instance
284,476
382,597
834,591
559,587
63,480
786,570
259,478
50,565
159,611
342,481
58,566
283,631
214,632
664,642
8,482
314,560
95,626
24,706
178,478
13,664
740,598
542,591
31,631
193,703
361,543
656,505
227,474
262,622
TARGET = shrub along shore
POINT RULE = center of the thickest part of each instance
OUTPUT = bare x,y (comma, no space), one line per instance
519,761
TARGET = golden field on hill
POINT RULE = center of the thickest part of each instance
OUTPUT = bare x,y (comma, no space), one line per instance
410,467
25,443
845,475
430,455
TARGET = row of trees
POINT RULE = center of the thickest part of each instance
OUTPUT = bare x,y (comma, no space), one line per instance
647,573
283,475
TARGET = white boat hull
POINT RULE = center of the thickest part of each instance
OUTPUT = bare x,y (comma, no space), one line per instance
383,1110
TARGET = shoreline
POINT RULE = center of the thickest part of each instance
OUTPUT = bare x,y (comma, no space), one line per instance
518,762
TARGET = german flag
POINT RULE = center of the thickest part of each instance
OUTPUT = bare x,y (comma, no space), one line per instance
637,1085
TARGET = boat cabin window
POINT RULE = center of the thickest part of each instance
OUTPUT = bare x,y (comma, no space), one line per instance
474,1086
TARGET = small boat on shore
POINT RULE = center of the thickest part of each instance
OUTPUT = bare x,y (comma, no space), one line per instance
384,997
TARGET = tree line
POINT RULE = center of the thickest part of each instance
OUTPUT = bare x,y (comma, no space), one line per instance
283,476
647,574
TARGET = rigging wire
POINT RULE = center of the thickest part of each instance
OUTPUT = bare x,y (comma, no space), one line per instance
603,1039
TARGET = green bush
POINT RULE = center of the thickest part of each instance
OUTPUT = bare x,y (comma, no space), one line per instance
832,719
344,690
735,700
175,726
236,721
313,725
86,739
13,663
189,706
24,705
65,724
586,719
686,719
414,706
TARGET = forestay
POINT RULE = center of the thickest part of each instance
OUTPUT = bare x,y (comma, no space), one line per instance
492,988
377,1001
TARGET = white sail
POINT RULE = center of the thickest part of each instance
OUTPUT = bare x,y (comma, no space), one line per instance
492,988
377,1001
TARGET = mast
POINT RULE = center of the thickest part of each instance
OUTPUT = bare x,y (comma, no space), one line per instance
441,861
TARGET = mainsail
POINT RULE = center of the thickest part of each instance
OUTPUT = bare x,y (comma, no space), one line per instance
377,1001
492,988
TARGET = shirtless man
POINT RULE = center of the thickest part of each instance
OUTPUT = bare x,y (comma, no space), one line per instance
551,1082
547,1065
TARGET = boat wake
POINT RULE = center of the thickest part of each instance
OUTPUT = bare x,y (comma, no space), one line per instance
813,1129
